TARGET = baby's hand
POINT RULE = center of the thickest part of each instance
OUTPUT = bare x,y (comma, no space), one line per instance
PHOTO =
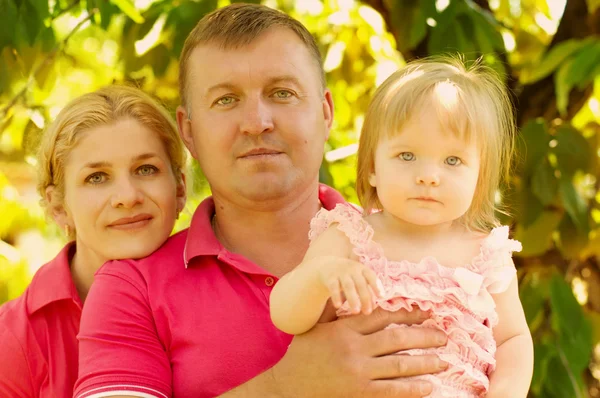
358,283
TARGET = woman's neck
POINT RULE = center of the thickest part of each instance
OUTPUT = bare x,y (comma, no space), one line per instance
84,264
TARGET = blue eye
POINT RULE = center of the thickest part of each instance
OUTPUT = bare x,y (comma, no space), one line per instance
227,100
282,94
407,156
96,178
453,161
147,170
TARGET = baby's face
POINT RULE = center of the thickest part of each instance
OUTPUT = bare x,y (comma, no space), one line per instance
120,191
425,175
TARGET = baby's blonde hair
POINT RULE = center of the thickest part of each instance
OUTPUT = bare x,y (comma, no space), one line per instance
480,109
103,107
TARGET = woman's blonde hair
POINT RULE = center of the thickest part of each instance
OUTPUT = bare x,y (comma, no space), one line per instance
103,107
480,108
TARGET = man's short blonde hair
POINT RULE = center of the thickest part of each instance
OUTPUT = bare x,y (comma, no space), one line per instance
480,109
100,108
238,25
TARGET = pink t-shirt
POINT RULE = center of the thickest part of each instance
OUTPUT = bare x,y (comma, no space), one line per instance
38,344
191,320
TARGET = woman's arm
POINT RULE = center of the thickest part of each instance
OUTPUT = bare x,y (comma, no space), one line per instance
299,298
514,356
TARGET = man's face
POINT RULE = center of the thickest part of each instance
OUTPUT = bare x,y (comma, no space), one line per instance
259,117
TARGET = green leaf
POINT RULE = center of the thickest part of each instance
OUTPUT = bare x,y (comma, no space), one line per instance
576,70
107,11
533,144
30,19
542,354
128,9
487,35
8,18
159,57
544,183
41,7
572,150
574,204
183,18
552,60
537,238
534,292
409,21
573,328
572,239
560,381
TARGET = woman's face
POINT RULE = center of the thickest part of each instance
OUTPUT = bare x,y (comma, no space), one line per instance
121,195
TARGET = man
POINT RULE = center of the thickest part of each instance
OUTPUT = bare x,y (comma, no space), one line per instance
255,114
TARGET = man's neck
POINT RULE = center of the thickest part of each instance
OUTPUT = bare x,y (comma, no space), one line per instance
275,239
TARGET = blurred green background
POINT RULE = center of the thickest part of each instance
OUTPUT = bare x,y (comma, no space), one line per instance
549,52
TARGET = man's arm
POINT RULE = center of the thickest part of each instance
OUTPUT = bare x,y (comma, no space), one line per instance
351,357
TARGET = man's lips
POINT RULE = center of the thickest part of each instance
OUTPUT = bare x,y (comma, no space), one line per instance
260,152
136,221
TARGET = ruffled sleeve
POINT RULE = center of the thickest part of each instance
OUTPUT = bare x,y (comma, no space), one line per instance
496,264
359,232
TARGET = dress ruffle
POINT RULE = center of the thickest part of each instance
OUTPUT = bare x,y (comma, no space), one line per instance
459,298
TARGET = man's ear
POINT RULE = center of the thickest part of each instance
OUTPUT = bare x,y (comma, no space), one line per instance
57,208
328,111
181,192
184,123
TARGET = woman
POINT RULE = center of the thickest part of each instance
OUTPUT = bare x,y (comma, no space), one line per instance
111,176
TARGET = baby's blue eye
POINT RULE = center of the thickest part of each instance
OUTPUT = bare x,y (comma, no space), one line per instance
453,161
407,156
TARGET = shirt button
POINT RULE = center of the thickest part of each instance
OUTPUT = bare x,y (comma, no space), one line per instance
269,281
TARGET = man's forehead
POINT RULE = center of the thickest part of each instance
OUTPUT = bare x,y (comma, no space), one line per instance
240,66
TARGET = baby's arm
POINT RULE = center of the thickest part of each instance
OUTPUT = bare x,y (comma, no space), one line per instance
299,298
514,356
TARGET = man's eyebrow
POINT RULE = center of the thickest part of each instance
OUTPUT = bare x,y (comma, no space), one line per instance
284,79
220,86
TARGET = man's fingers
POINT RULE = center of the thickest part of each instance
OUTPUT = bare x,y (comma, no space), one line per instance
390,341
395,366
379,319
397,388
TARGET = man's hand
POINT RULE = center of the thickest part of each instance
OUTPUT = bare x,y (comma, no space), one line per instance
350,357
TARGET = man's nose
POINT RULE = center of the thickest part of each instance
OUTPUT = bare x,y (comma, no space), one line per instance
127,194
257,117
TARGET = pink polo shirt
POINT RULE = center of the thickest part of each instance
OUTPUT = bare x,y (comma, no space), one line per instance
38,343
191,320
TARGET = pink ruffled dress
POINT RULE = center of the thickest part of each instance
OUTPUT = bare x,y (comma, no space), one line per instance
459,298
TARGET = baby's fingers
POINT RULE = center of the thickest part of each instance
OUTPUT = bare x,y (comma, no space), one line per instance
351,294
364,293
335,293
374,282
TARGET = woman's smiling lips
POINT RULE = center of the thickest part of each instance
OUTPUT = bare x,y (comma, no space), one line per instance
128,223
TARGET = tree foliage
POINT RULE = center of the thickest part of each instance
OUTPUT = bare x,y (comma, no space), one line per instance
549,54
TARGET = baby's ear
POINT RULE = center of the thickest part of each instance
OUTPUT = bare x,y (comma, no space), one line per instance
373,179
57,207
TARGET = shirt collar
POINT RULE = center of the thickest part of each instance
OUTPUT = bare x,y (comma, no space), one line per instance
53,282
201,239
